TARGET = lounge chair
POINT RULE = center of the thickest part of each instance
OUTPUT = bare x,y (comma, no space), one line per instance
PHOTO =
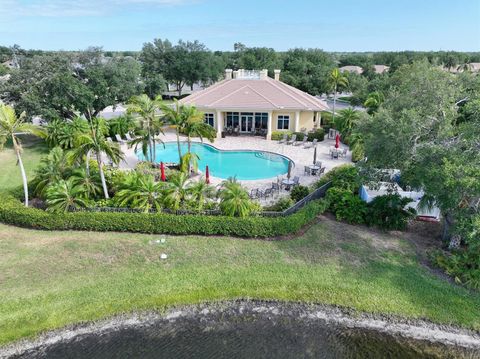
284,138
119,138
302,142
109,139
129,137
311,144
292,140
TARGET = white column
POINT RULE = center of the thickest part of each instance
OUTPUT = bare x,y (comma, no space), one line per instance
297,121
219,119
269,125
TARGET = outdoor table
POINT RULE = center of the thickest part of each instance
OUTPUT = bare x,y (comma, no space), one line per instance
288,183
314,168
335,152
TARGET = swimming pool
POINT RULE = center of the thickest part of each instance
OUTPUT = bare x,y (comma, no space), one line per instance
244,165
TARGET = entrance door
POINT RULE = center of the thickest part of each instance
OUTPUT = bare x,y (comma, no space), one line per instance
246,122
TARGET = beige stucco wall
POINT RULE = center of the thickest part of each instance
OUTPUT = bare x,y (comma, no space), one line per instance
306,120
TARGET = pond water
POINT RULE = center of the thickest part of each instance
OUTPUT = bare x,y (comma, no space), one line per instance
244,334
244,165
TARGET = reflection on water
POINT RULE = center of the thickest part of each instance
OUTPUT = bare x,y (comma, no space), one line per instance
245,336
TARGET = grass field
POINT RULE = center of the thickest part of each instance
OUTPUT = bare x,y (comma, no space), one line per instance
51,279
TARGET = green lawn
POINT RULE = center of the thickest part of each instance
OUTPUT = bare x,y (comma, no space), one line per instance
10,176
51,279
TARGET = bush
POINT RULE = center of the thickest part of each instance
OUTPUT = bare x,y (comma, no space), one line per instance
344,176
13,212
299,192
346,206
318,134
281,205
278,135
327,118
358,153
388,212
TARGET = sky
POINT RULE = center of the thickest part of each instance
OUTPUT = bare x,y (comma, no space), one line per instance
334,25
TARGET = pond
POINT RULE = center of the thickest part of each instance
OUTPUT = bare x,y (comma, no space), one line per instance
242,164
243,332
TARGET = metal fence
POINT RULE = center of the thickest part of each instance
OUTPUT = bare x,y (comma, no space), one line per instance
316,194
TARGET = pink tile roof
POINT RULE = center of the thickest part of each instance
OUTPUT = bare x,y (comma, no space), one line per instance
256,94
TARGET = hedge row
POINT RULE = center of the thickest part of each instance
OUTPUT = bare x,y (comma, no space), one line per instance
13,212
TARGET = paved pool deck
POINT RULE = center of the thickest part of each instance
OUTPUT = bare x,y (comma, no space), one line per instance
299,155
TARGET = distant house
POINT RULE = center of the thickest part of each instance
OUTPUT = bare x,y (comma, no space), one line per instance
380,69
250,102
349,68
474,66
11,64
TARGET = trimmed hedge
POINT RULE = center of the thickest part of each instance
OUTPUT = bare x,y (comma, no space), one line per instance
278,135
13,212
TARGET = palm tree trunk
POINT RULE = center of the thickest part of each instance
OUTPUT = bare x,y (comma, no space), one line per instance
22,170
87,164
334,102
189,143
178,144
102,175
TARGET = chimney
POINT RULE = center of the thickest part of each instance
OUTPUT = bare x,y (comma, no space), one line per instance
228,74
263,74
235,74
277,75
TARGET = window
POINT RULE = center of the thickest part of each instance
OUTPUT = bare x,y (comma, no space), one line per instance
261,120
283,122
209,118
233,119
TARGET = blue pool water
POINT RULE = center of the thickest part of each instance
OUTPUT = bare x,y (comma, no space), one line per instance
244,165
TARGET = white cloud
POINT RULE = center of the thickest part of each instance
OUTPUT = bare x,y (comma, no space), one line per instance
66,8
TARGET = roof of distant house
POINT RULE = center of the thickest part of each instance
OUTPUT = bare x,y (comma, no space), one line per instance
254,90
380,69
350,68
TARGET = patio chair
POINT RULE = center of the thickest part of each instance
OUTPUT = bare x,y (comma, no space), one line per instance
275,187
296,181
307,170
311,144
236,131
260,193
318,164
344,152
292,140
253,193
268,192
284,138
302,142
321,172
119,138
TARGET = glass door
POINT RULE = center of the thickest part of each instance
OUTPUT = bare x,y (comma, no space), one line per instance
246,122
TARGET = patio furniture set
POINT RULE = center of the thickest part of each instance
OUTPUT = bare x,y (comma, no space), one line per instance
338,152
315,169
276,187
293,141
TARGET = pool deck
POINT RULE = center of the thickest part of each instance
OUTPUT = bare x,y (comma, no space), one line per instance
299,155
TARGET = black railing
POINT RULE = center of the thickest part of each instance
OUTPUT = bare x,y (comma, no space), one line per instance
316,194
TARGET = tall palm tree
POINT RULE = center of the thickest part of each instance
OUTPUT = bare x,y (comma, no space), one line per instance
346,121
150,123
95,142
175,117
234,199
195,126
140,191
64,196
336,80
176,190
10,127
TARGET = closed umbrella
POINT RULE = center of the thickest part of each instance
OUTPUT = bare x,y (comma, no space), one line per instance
315,155
207,175
337,141
289,169
162,172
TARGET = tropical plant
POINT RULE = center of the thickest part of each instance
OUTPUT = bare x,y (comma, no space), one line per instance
189,162
95,142
54,129
346,120
53,168
121,125
389,212
140,191
299,192
11,126
150,124
336,81
64,133
64,196
200,193
373,101
90,182
174,116
176,190
234,199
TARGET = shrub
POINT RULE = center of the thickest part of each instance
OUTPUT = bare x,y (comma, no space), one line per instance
388,212
318,134
13,212
344,176
278,135
358,153
281,205
299,192
346,206
326,118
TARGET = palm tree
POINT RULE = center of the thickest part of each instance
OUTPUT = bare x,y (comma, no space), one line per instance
91,183
95,142
64,196
150,123
10,127
140,191
346,121
195,126
53,168
200,192
373,102
188,162
121,125
234,199
336,80
176,190
175,117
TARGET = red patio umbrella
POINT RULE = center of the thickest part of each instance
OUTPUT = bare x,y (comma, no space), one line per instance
207,175
337,141
162,172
